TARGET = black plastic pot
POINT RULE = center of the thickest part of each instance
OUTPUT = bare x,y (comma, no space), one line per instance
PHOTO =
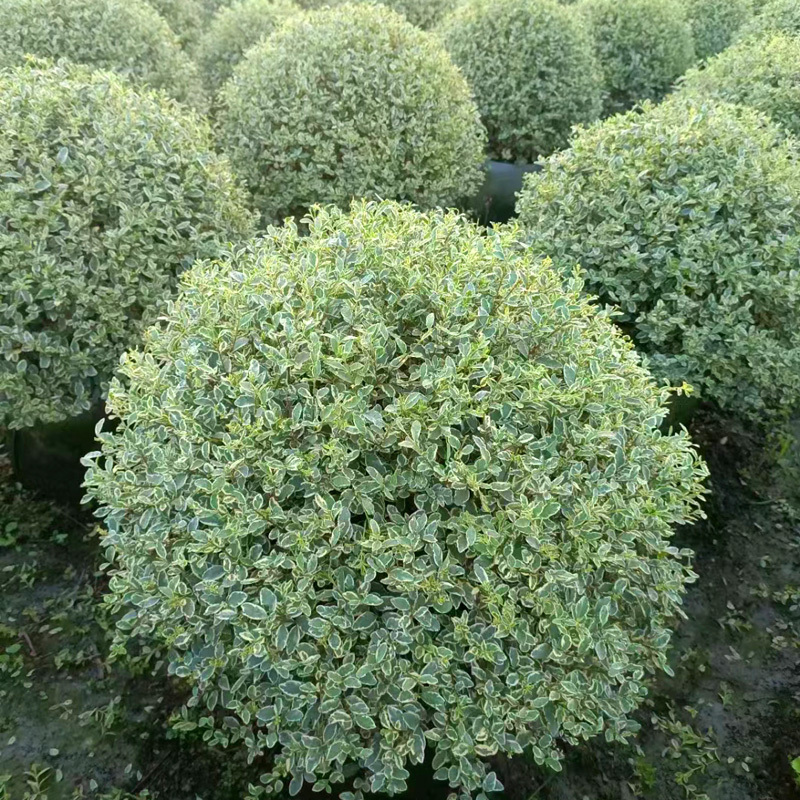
47,458
496,201
680,411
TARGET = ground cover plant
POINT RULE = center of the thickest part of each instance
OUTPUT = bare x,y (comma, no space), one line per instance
91,249
686,216
399,490
531,66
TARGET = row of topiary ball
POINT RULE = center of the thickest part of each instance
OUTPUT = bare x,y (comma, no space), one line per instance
391,482
535,68
420,139
424,144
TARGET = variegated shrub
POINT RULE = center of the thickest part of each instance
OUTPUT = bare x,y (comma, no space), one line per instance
686,216
128,37
394,486
106,195
374,108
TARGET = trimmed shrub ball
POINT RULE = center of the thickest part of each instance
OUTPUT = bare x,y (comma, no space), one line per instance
387,475
763,73
715,23
532,70
687,217
375,108
643,46
126,36
107,195
234,30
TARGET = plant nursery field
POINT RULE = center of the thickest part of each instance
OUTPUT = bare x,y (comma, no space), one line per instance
400,399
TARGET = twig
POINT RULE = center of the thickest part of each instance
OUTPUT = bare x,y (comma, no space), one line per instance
30,643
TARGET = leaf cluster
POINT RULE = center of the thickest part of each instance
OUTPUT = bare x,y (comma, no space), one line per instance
774,16
643,47
760,72
394,485
715,23
234,30
424,14
187,18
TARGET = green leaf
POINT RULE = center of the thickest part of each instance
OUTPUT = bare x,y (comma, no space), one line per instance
213,573
268,599
253,611
364,722
364,621
433,699
291,688
491,783
541,651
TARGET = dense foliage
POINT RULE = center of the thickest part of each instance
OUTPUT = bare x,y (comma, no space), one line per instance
107,194
715,23
395,485
187,18
424,14
687,217
374,108
773,16
643,46
126,36
531,67
233,31
763,73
